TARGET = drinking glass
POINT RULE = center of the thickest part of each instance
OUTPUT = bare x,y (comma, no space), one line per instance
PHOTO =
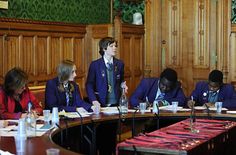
20,143
142,107
46,116
174,107
52,151
218,106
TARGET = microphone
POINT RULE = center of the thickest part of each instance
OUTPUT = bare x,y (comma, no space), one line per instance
133,122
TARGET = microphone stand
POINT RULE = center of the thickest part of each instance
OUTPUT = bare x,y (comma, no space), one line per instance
65,119
81,129
157,114
119,123
60,132
208,111
133,123
193,120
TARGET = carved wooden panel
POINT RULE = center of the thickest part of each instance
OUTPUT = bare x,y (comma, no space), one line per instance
201,34
194,38
131,50
233,54
172,30
38,47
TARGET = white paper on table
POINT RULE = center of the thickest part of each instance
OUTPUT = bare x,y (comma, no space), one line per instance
199,107
5,153
169,108
231,112
12,131
81,111
184,109
110,110
214,109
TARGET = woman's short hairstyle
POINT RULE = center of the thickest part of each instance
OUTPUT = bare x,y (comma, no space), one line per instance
15,79
104,43
64,70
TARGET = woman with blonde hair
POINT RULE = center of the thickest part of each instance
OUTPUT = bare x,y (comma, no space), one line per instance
62,91
15,95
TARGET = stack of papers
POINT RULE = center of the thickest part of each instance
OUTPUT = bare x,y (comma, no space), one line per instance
199,107
11,131
214,109
169,108
231,112
110,110
80,111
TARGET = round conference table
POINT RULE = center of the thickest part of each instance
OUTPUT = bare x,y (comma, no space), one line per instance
38,145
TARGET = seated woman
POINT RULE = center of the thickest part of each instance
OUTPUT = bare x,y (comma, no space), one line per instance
15,95
62,91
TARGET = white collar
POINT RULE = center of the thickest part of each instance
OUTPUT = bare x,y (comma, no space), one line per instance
106,61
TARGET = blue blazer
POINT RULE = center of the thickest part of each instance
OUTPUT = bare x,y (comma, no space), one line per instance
226,94
148,88
56,98
96,85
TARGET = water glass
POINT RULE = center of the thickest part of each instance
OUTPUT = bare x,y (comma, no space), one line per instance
20,143
174,106
142,107
21,129
52,151
46,116
218,106
55,116
96,109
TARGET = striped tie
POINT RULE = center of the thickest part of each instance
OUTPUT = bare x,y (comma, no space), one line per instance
109,66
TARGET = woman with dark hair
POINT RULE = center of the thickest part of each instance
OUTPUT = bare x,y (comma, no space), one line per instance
62,91
15,95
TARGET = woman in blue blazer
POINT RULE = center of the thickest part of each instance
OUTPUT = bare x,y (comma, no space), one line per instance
106,76
104,82
62,91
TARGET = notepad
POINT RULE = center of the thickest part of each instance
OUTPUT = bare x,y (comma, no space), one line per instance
231,112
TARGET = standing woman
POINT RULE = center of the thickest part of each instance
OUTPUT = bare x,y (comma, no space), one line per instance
62,91
106,76
104,84
15,95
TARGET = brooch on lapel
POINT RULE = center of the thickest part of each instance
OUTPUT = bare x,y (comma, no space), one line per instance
103,73
118,76
116,68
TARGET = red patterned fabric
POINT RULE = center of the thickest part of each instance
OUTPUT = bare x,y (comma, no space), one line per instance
179,136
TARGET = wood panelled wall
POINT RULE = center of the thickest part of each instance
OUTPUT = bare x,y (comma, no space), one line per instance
38,47
191,36
131,47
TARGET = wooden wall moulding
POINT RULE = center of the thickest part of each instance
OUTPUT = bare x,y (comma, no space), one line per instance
131,51
38,47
